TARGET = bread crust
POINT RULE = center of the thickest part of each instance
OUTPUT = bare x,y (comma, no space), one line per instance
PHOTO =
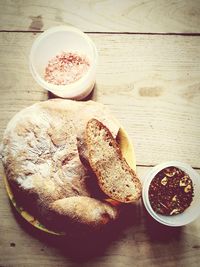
41,158
100,164
85,210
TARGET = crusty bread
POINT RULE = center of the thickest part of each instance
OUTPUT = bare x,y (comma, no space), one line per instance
86,210
115,177
42,163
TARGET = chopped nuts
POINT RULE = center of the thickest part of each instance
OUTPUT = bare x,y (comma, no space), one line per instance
170,173
171,191
184,181
164,181
187,188
174,211
174,198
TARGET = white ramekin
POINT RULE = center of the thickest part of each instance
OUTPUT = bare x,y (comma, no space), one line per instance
54,41
191,213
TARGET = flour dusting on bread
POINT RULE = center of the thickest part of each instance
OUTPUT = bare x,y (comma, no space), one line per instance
40,154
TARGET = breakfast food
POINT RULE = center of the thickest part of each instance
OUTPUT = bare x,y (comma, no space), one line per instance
115,177
170,191
41,158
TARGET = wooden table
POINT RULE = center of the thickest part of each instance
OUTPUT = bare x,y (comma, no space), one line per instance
149,76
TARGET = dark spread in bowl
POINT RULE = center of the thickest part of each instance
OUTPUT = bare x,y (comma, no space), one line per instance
170,191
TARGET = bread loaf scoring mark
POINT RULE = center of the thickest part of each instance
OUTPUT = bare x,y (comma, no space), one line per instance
114,175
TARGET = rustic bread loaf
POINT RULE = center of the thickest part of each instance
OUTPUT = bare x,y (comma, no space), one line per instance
115,177
40,154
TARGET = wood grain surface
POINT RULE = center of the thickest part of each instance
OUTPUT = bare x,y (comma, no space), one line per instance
158,16
151,84
149,76
137,240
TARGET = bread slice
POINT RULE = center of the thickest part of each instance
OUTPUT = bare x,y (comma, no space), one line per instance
115,177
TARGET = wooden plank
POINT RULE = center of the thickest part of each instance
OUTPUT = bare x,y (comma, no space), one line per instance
137,240
151,84
100,16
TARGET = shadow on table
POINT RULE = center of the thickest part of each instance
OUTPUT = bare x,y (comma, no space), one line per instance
158,232
135,228
86,247
91,96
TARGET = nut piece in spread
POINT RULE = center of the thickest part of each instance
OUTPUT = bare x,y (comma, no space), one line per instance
184,181
164,181
175,211
174,198
188,188
170,191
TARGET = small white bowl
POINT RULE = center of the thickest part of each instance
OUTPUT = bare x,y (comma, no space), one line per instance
55,41
191,213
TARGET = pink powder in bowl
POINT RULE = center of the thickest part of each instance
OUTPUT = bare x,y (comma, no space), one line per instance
66,68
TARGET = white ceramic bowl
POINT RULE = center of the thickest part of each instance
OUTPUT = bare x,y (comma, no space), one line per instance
191,213
53,42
